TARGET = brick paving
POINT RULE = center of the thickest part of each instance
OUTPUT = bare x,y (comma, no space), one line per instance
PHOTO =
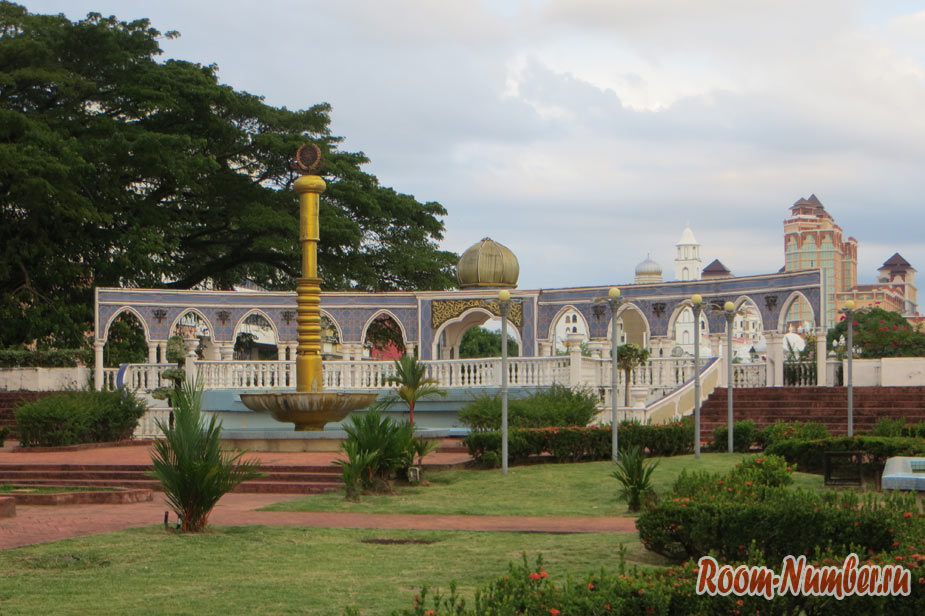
39,524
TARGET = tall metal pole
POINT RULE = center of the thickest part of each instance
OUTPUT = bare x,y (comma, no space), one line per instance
696,302
730,317
849,315
614,302
504,303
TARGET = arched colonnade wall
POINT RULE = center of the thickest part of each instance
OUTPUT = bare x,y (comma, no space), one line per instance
421,315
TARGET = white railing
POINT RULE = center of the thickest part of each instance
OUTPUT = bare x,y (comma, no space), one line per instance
658,375
522,372
147,425
246,374
750,375
146,377
109,378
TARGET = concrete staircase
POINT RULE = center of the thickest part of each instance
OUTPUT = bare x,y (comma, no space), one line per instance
827,405
279,479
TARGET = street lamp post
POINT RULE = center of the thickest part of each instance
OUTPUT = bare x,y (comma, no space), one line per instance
614,301
730,310
849,316
697,305
504,304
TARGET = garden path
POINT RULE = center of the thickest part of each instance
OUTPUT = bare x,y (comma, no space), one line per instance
40,524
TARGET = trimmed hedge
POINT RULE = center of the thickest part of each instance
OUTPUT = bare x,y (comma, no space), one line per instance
556,406
49,358
809,453
782,522
572,444
78,417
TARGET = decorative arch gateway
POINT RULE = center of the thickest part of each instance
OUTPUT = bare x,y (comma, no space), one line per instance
421,314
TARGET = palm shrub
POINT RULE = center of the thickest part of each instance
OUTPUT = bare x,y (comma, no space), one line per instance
412,383
190,464
635,475
356,470
376,447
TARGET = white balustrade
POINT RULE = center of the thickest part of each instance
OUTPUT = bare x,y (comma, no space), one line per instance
750,375
146,377
147,425
109,378
659,375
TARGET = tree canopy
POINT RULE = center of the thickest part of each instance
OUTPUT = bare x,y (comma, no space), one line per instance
878,333
117,168
482,342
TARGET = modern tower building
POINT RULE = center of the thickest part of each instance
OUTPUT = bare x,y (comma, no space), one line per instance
813,240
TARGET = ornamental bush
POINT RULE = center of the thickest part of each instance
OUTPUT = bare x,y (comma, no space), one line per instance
78,417
744,434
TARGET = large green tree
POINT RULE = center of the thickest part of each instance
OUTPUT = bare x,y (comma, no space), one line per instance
120,169
877,333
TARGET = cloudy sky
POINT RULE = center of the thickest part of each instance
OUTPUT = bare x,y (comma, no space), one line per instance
583,134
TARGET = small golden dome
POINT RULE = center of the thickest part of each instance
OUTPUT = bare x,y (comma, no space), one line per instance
487,264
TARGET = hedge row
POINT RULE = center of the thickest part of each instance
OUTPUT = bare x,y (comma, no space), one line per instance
49,358
556,406
809,454
572,444
78,417
783,522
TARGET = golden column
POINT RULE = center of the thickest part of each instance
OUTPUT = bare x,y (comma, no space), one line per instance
308,290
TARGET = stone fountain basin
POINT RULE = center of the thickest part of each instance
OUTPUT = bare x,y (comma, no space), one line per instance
308,410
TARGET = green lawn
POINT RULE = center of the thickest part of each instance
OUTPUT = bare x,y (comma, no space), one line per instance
271,570
539,489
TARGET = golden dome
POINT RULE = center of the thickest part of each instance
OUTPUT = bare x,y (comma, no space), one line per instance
487,264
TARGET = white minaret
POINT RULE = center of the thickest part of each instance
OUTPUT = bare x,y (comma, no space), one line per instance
687,265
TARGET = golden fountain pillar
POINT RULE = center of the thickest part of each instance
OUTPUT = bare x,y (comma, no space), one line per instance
308,407
308,289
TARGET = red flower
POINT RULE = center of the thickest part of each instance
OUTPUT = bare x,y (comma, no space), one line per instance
534,575
430,613
554,612
590,586
543,574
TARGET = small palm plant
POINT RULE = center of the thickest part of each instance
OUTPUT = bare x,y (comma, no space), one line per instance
635,475
412,384
189,463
